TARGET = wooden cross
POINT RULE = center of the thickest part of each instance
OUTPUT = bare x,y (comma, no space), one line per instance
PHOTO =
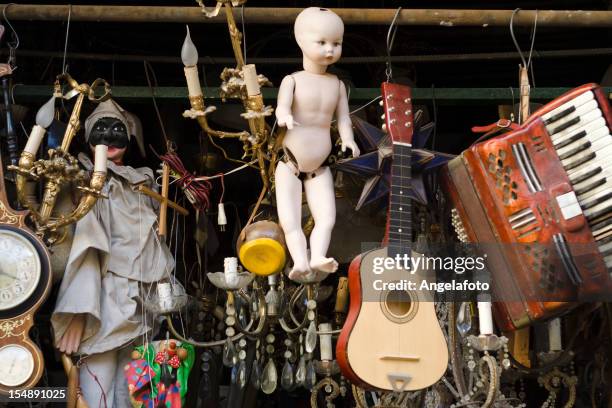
164,201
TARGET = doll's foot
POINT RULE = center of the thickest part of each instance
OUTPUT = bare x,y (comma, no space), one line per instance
327,265
299,271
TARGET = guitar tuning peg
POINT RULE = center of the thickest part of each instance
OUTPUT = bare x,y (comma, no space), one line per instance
381,103
384,128
382,117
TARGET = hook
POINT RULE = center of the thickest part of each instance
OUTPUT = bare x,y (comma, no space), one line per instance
390,39
14,44
527,63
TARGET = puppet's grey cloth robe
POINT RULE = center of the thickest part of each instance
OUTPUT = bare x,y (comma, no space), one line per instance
115,258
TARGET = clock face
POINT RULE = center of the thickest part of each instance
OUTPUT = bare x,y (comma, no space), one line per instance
20,269
17,365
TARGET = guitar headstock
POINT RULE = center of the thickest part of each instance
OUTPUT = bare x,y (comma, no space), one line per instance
398,116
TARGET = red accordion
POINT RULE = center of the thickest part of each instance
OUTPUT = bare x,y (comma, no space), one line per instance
539,198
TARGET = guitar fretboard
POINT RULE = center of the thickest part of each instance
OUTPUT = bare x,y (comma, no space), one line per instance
400,219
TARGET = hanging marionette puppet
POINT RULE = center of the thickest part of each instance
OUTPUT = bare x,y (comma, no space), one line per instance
115,260
307,101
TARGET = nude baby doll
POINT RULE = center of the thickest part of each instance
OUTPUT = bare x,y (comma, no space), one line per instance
307,101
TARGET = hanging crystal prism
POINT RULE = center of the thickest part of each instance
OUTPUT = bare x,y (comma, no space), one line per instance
229,354
287,376
311,376
242,317
234,374
242,374
300,373
256,375
464,319
270,378
311,338
254,303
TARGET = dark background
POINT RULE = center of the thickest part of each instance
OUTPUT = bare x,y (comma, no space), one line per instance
212,40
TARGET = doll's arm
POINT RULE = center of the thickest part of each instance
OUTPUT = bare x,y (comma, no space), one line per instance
345,127
284,102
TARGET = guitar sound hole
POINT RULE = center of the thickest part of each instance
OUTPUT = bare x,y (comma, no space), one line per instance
398,303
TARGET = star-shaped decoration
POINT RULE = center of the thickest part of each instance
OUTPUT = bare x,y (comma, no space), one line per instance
375,163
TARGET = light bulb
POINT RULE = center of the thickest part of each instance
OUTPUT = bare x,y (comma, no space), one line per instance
44,116
189,53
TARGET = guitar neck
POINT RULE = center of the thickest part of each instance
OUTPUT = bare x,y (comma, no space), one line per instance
400,219
397,105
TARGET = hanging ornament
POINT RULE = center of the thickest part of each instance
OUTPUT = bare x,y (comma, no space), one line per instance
374,163
287,376
256,374
311,337
241,374
270,378
229,354
311,375
300,374
464,319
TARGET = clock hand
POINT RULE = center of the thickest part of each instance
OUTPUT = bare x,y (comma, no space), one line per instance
3,272
12,365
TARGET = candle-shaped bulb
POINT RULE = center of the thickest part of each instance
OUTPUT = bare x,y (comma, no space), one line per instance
485,318
231,271
325,340
250,79
100,156
44,116
189,53
272,279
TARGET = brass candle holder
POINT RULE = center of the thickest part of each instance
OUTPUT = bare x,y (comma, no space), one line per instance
61,168
241,82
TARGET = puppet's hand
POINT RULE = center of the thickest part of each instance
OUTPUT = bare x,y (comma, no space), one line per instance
351,145
285,120
70,341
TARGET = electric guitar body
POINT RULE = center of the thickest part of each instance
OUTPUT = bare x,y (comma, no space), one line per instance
392,339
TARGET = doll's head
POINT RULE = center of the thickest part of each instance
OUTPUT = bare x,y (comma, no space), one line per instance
318,32
111,125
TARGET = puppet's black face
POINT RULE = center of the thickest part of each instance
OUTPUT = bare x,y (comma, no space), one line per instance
109,132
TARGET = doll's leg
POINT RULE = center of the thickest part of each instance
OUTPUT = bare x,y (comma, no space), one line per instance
322,203
97,376
289,206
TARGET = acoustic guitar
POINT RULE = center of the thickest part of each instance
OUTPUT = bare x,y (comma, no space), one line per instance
392,339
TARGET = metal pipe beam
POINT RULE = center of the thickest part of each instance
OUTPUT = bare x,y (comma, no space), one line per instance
447,96
263,15
488,56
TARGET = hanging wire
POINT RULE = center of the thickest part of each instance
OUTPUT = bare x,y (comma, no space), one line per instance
516,44
390,39
435,116
66,39
365,105
14,44
533,36
243,35
13,101
147,68
526,63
